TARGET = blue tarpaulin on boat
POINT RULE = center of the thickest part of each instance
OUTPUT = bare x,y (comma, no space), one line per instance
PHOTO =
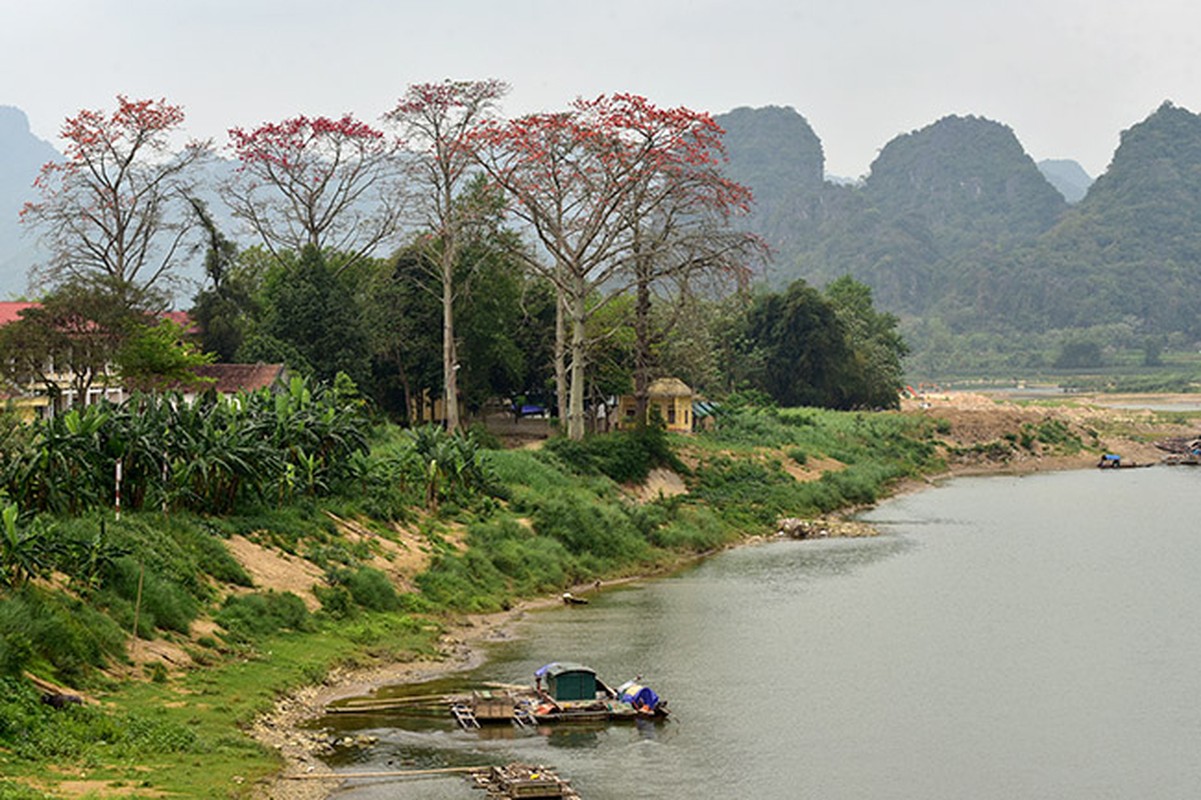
638,696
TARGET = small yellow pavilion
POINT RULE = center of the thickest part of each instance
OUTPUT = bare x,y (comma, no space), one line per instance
671,397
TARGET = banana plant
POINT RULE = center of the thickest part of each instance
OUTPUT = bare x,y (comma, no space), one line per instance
25,551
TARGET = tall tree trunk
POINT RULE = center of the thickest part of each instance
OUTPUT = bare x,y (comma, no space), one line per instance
575,414
450,366
561,350
642,340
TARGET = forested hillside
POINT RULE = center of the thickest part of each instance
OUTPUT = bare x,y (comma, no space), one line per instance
1131,249
958,231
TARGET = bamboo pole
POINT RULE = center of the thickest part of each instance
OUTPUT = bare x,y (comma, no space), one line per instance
324,776
137,606
374,701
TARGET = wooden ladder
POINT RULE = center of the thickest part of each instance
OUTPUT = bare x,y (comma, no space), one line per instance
464,716
522,716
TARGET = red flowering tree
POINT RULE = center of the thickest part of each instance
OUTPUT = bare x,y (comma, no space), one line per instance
620,194
434,120
114,209
329,183
680,214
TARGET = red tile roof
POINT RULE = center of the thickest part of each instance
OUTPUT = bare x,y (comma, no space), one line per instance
10,310
233,378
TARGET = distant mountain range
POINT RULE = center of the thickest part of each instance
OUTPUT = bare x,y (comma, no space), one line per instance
21,157
955,225
1067,176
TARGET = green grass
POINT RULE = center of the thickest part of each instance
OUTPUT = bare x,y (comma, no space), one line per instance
185,738
742,478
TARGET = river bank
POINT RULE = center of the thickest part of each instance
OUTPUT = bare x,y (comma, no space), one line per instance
973,430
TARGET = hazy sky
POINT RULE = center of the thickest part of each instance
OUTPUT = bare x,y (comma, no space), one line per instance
1067,75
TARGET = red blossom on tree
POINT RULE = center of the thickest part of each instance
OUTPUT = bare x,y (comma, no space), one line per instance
114,208
329,183
614,189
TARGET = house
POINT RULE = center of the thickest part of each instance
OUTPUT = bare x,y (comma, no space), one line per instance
31,400
671,398
234,378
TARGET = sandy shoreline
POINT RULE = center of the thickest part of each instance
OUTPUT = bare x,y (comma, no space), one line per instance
462,647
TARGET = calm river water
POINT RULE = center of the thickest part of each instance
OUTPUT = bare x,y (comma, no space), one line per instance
1035,637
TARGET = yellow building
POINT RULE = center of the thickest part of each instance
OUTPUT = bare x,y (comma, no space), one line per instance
670,397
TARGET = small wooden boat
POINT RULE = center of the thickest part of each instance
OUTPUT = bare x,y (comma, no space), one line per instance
1114,461
573,693
562,692
571,600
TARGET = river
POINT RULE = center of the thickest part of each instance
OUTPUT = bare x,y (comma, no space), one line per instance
1005,637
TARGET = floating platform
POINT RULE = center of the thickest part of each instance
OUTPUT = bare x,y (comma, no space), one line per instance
523,781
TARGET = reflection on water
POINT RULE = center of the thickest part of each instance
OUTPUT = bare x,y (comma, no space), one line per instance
1006,637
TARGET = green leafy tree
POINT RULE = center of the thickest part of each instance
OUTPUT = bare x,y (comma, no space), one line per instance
493,357
403,323
69,342
160,356
874,373
1079,355
313,310
796,349
223,308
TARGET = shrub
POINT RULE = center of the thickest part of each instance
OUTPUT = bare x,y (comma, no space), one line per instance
37,625
464,582
16,791
623,456
250,616
372,590
32,730
165,603
696,530
590,528
532,564
336,601
16,651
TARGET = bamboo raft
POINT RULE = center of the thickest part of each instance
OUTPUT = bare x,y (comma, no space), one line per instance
514,781
522,781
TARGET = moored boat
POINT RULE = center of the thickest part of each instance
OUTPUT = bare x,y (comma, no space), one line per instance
573,693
